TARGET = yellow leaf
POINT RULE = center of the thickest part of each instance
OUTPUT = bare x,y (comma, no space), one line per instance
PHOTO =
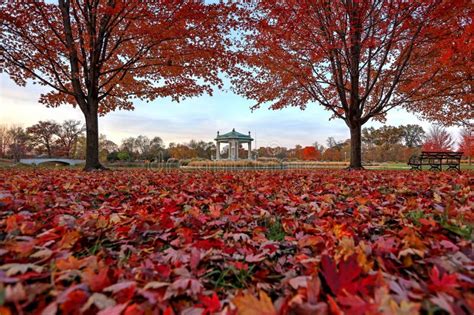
102,222
249,305
346,248
364,251
387,305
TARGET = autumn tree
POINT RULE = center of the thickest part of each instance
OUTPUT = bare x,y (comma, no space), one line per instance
265,152
101,55
80,148
5,140
67,137
204,149
438,139
332,154
467,143
310,153
354,58
181,151
43,135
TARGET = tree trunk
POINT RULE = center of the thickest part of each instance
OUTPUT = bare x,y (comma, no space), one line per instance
356,147
92,141
48,148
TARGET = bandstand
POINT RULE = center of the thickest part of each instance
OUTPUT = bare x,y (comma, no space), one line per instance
234,139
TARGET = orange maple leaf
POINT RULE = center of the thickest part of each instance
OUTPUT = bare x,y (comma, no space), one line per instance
248,304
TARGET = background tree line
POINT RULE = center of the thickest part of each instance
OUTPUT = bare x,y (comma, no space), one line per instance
67,139
384,144
390,143
45,138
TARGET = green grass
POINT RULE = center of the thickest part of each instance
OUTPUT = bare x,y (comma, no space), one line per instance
415,216
456,226
275,230
230,277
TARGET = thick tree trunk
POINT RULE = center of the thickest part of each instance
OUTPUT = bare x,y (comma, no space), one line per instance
356,147
92,141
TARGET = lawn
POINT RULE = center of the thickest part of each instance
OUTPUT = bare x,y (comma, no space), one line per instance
283,242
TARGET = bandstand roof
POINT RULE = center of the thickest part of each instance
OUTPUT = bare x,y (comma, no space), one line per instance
234,135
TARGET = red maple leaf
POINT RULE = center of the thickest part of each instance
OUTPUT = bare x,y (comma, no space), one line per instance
342,277
73,299
443,283
355,305
210,304
208,244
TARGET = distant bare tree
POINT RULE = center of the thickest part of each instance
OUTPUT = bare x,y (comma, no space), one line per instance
20,144
319,147
42,136
68,135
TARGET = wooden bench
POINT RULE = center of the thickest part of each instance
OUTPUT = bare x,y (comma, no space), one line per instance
436,160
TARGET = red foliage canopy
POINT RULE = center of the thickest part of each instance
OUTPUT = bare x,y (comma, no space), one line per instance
467,142
309,153
118,50
359,59
438,139
101,55
441,69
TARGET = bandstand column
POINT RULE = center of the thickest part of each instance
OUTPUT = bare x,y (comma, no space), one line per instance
218,150
250,150
237,149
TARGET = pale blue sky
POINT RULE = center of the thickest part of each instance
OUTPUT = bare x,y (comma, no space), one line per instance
196,118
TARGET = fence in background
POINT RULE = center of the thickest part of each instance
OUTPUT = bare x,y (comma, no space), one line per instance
229,166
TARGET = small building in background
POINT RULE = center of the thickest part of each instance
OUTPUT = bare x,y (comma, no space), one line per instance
233,139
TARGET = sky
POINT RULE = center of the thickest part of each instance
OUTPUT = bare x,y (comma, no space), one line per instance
196,118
